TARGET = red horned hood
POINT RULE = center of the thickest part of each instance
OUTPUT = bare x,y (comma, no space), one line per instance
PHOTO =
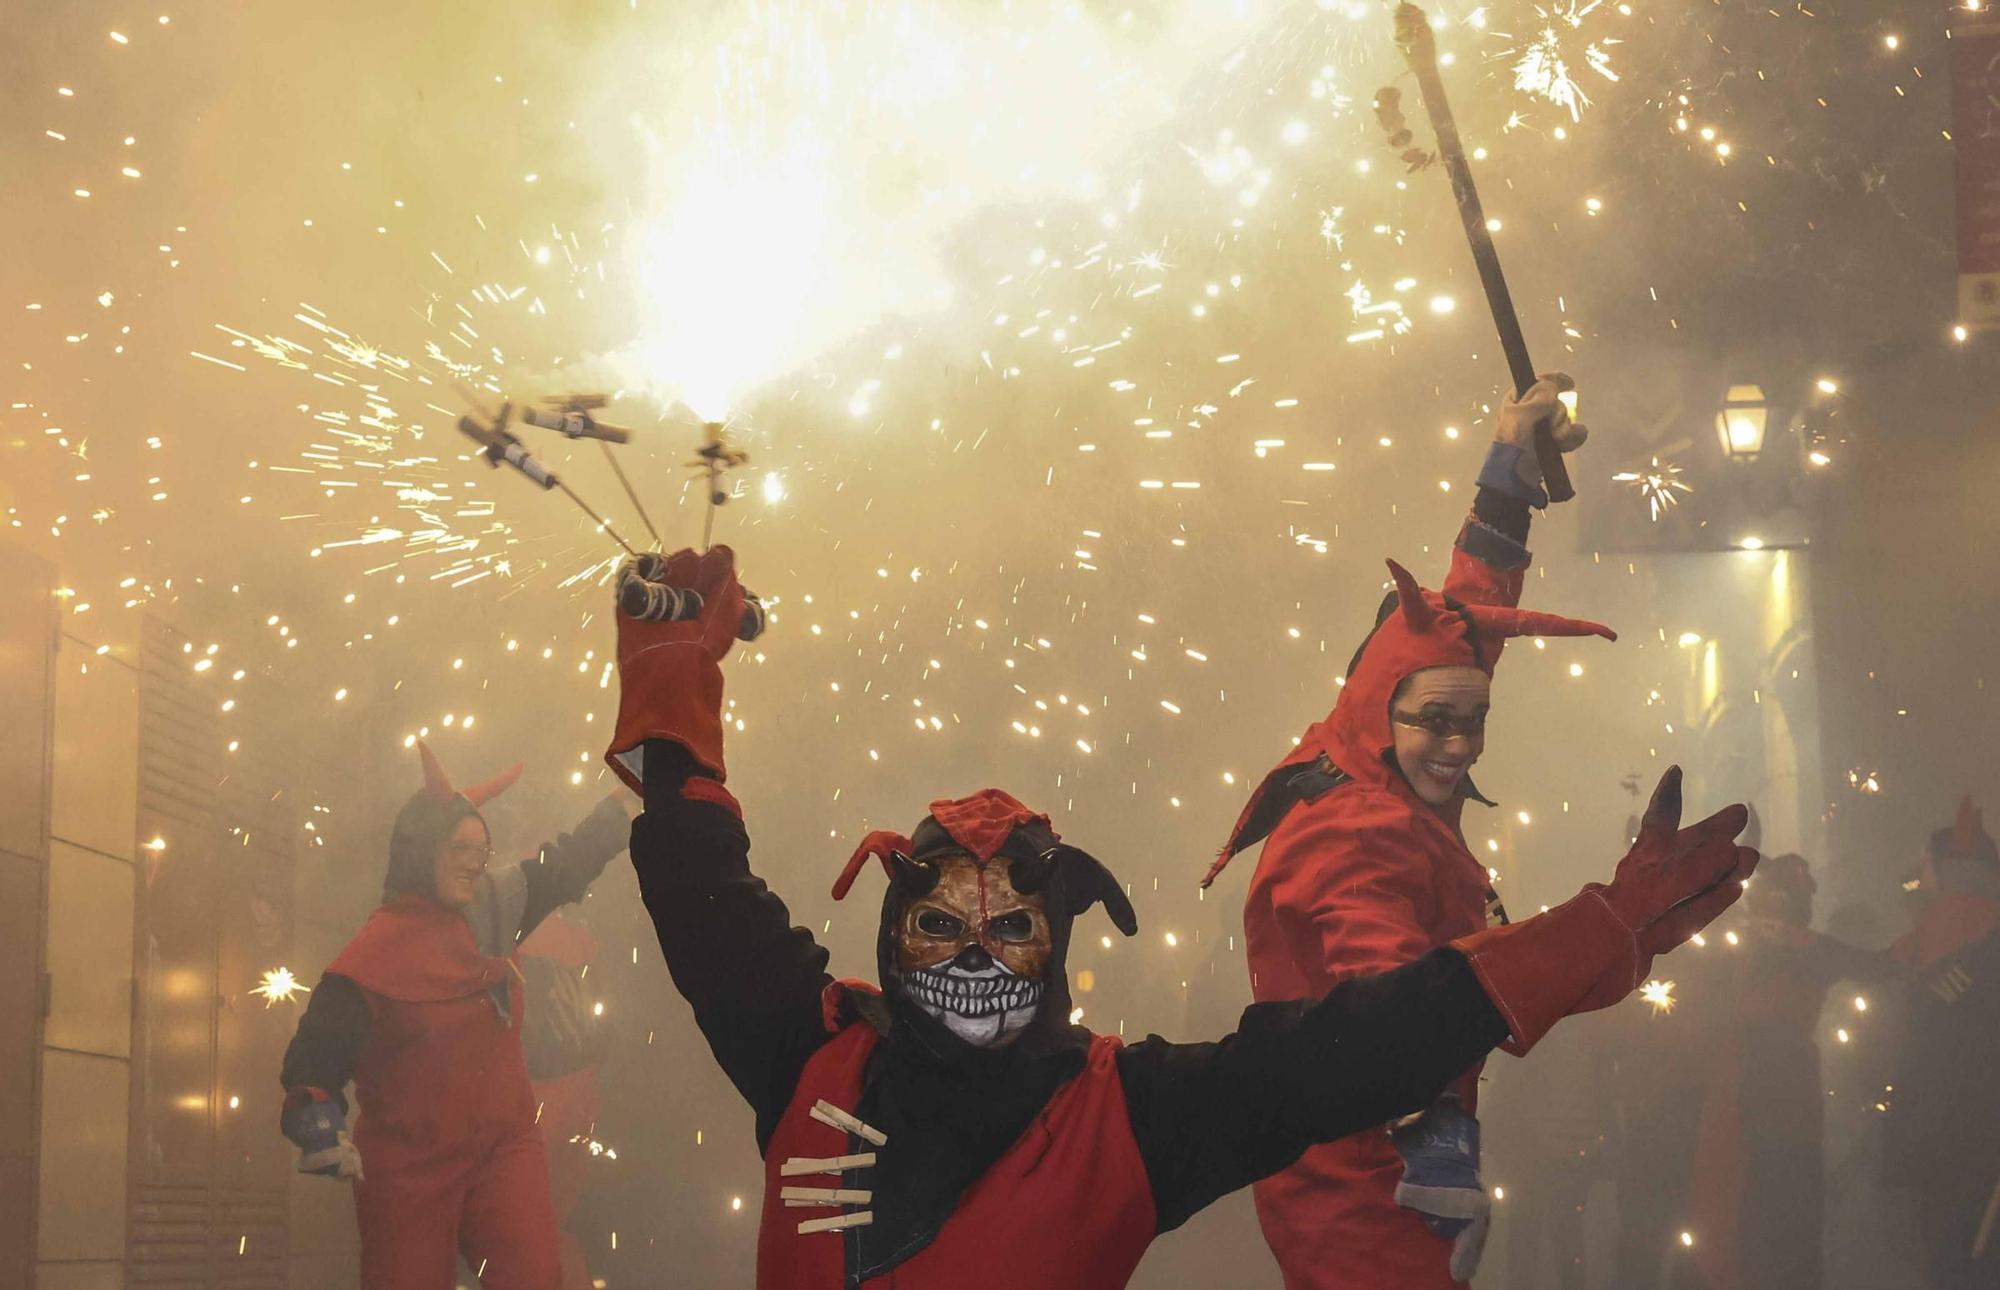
1425,629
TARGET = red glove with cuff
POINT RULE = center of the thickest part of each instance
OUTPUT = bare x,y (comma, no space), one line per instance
669,673
1594,950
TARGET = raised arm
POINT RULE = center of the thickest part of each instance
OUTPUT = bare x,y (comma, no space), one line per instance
1210,1118
754,979
563,870
510,902
1491,554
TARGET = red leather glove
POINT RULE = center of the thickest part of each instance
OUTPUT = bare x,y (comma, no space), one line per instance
669,678
1599,947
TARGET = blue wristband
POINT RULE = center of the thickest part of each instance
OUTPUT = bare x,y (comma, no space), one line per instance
1500,475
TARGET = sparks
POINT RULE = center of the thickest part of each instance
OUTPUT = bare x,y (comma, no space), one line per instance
1542,65
1658,484
279,984
1660,994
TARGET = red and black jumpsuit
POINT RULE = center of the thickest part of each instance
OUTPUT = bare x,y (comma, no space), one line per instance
1053,1167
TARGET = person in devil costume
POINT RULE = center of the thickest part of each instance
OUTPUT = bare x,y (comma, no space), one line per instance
422,1010
948,1127
1366,869
1941,1135
1758,1199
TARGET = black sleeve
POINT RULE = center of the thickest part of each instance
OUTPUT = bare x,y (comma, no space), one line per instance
564,870
324,1051
1210,1118
1496,510
753,978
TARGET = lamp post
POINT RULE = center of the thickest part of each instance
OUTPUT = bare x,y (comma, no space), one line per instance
1742,422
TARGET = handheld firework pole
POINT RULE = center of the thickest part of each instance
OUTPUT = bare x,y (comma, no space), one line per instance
499,444
715,456
1419,46
643,591
573,415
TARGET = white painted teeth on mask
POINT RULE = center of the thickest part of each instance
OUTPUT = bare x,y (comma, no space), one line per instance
978,997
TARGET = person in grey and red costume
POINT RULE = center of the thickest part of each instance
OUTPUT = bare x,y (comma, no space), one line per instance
422,1011
947,1127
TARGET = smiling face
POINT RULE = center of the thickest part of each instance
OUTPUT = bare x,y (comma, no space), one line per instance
972,951
1438,716
461,858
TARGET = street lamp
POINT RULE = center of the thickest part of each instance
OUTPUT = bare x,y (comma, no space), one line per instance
1741,423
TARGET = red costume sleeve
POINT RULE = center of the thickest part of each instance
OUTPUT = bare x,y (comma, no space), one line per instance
1476,582
1355,867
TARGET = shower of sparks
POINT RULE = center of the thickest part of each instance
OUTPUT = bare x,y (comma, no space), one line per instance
279,984
1658,484
760,257
1542,65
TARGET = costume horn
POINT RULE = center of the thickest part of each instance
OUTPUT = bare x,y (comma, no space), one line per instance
436,783
480,794
1416,610
1501,622
882,844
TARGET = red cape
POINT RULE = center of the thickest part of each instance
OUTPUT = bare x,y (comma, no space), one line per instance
415,950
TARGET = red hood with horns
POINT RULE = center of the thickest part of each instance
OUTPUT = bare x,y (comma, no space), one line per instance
1426,629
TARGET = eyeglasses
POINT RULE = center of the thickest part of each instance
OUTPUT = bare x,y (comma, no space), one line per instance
1442,725
471,850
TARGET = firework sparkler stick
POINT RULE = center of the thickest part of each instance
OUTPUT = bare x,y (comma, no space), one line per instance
1414,38
638,505
499,444
573,415
715,455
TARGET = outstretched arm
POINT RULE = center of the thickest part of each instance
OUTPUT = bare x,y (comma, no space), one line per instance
1210,1118
753,978
564,869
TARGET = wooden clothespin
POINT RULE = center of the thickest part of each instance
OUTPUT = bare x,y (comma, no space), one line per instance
797,1165
837,1222
829,1114
825,1196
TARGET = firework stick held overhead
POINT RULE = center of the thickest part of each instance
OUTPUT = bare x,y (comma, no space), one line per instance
715,456
574,415
632,493
499,444
1414,38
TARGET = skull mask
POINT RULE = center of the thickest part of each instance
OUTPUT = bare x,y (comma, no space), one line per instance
972,951
976,920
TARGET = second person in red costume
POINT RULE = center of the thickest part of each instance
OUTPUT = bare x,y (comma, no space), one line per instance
1366,869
